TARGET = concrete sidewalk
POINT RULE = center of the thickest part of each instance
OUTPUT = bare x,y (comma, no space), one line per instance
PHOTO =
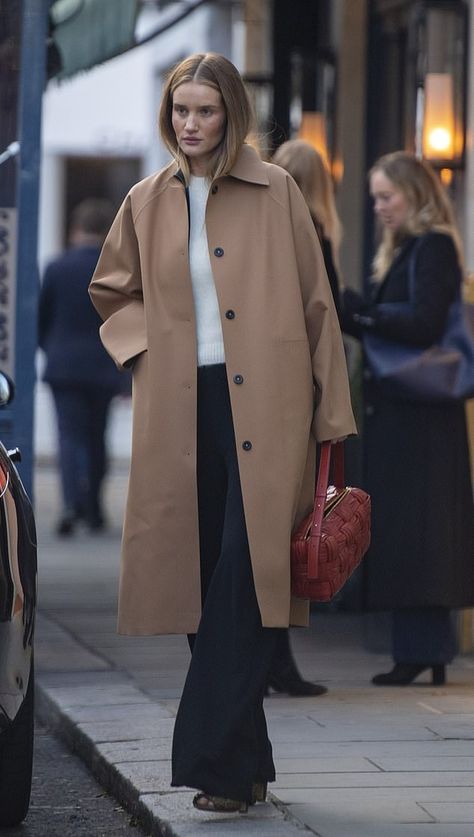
357,762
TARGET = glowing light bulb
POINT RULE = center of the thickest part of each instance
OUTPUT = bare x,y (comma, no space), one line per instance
440,139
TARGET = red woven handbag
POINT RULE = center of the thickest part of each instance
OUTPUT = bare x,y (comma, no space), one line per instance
330,542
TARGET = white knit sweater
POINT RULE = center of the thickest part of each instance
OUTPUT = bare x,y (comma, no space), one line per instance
210,342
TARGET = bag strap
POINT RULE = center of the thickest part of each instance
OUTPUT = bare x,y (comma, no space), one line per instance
328,452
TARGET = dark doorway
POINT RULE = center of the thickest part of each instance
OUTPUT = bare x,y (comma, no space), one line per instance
304,64
98,177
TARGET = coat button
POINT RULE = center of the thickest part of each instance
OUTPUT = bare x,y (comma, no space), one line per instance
369,410
215,189
230,314
238,379
218,251
247,445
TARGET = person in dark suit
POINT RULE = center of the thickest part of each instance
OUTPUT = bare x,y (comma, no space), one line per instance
420,563
82,377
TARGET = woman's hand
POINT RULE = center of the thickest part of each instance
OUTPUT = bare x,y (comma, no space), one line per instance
336,441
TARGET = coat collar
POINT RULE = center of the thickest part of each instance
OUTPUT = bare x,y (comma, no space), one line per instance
248,167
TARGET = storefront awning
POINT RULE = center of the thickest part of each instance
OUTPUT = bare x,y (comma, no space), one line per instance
88,32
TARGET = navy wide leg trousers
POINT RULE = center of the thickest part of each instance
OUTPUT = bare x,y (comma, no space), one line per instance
220,743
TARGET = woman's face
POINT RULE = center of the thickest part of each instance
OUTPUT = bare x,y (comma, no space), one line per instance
199,122
390,203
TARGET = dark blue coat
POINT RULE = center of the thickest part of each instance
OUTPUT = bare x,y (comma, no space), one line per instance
69,324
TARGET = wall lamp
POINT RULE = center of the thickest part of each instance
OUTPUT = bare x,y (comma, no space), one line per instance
439,41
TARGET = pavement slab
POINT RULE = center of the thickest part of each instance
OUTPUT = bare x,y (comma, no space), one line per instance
367,779
368,824
448,812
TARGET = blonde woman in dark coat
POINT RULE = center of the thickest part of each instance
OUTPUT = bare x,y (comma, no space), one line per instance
420,564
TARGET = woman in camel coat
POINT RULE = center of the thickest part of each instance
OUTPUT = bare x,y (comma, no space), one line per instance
224,432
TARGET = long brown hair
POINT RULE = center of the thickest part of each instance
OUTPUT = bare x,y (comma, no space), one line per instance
219,73
430,206
309,170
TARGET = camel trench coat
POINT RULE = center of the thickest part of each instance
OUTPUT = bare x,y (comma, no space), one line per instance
281,335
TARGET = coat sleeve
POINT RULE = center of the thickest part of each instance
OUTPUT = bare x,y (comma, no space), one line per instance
116,291
333,416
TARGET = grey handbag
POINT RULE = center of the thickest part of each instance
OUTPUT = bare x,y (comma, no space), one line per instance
443,372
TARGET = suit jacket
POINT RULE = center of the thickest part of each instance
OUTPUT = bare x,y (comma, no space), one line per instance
69,324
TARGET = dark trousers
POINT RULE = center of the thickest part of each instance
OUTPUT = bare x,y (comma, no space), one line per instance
82,417
220,743
424,635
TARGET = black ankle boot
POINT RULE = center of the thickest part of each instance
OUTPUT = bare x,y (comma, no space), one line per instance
402,674
284,675
294,685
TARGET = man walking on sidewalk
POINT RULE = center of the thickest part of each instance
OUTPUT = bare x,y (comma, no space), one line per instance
82,377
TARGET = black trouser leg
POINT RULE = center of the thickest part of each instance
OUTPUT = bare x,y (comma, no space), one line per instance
284,664
71,412
220,742
82,418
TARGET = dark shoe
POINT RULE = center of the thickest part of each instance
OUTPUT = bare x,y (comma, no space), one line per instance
284,675
402,674
295,686
219,804
66,525
96,523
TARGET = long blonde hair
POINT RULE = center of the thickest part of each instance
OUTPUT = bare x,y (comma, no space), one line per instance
430,206
310,172
217,72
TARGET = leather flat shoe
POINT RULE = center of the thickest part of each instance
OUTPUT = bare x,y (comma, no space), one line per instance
219,804
402,674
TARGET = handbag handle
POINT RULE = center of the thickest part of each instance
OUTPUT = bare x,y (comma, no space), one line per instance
328,452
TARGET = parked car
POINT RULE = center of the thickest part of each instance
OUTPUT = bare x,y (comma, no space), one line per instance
17,618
